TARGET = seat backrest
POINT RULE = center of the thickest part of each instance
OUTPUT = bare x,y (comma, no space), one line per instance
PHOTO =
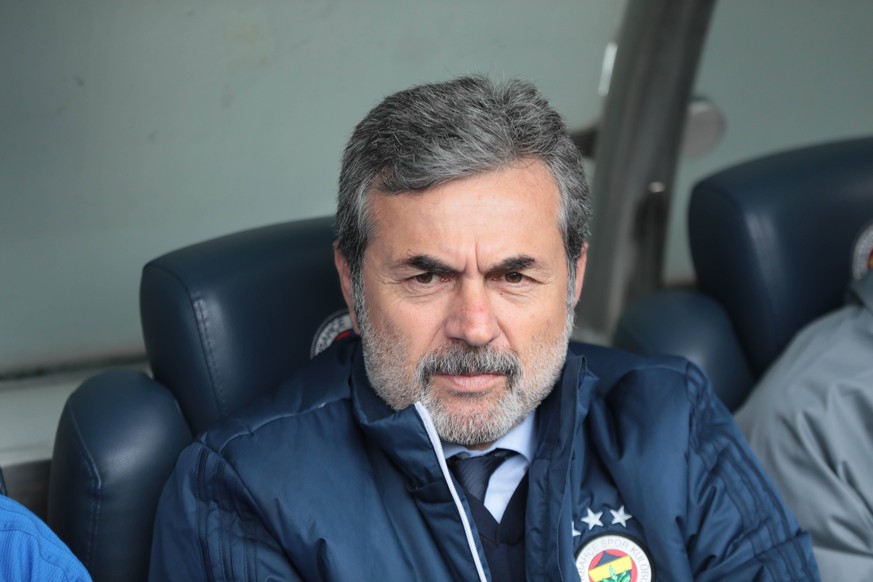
771,240
224,322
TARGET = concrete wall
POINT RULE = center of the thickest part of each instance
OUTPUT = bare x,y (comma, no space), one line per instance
128,129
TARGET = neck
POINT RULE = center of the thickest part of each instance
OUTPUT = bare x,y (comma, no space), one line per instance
479,447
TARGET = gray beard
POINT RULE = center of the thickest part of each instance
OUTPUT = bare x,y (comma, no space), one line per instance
524,391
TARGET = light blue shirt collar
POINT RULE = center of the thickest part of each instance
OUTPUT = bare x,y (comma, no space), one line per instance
505,479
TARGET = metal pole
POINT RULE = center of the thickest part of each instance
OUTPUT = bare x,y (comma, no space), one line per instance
658,51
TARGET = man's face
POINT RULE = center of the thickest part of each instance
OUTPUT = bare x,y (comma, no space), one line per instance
467,304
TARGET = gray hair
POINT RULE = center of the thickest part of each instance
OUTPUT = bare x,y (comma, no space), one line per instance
431,134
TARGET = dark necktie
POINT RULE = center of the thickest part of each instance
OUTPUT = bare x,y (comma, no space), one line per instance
473,472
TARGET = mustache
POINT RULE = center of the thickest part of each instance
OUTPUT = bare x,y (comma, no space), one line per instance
463,359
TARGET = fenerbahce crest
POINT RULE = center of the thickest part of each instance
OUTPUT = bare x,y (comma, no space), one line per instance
613,558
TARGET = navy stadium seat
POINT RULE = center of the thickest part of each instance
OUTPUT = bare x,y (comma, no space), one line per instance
771,241
223,321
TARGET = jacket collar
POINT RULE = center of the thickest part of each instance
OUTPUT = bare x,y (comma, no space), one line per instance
548,544
403,437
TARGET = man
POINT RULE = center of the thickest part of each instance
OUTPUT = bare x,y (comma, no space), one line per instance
459,438
809,419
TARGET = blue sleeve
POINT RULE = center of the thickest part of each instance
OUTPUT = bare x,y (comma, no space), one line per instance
737,526
207,527
29,550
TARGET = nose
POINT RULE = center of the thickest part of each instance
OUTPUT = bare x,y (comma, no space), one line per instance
471,318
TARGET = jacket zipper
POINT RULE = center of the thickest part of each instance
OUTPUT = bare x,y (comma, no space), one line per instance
441,457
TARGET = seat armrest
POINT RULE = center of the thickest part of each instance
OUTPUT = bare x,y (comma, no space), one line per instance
117,442
692,325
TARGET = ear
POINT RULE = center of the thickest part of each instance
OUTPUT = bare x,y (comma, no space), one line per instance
580,272
345,276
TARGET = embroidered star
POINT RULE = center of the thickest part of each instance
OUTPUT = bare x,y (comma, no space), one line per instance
620,516
593,519
576,532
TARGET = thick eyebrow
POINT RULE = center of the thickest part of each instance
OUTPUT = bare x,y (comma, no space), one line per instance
429,264
519,263
425,263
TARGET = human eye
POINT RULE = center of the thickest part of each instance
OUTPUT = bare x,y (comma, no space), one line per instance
513,277
427,281
514,282
426,284
424,278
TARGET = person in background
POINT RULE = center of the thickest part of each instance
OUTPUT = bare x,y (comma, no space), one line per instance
460,435
810,420
30,551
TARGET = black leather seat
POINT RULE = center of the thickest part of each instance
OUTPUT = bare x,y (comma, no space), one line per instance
224,322
771,241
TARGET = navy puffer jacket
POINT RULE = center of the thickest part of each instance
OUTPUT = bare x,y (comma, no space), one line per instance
640,474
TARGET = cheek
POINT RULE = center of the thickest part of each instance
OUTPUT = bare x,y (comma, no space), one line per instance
419,325
412,331
526,328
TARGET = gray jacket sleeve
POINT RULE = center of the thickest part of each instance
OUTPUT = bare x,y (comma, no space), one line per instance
809,421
